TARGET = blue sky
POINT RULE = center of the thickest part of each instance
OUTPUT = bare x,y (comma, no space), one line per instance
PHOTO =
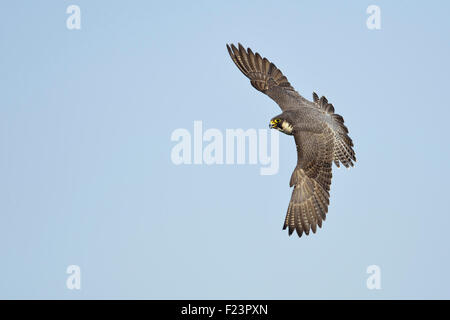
86,118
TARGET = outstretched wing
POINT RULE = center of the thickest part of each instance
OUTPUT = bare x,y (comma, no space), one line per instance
311,180
265,77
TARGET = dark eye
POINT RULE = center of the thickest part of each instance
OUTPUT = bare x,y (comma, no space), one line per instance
277,121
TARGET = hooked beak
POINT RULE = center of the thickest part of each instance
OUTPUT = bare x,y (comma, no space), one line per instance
272,125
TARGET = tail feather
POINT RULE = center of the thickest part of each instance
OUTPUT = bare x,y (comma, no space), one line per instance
343,144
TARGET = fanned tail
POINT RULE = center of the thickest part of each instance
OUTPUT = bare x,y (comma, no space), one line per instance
343,144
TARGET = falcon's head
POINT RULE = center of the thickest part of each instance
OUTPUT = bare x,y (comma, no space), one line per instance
282,125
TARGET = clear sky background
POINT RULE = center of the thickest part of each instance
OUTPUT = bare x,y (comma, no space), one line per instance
86,176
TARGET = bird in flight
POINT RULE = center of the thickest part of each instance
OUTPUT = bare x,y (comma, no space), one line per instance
319,134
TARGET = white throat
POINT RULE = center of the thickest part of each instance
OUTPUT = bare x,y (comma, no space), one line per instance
286,127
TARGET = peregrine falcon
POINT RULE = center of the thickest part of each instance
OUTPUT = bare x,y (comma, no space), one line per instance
320,136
